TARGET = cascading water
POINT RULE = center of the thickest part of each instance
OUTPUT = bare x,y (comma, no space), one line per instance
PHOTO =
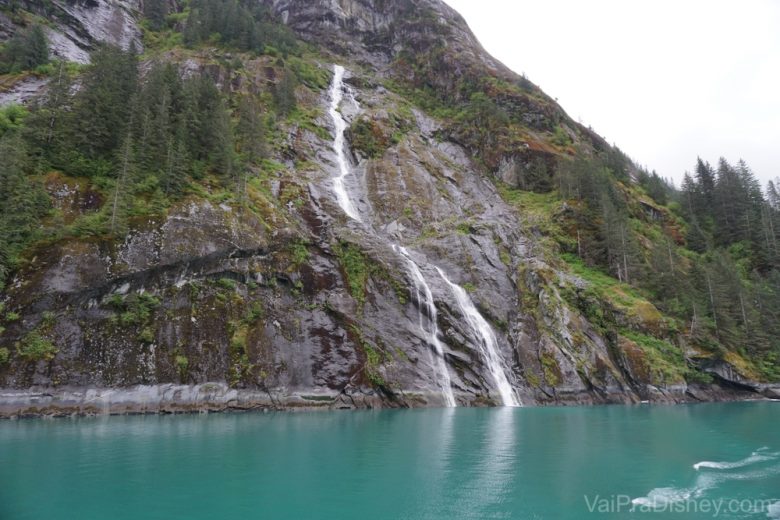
424,298
486,340
336,94
482,331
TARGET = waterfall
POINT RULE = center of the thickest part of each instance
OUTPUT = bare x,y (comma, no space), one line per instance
425,301
486,341
483,333
336,94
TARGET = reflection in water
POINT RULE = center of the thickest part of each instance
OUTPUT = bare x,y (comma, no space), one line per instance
441,462
493,475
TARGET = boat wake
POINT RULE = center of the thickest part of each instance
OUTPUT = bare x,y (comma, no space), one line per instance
660,498
762,455
761,464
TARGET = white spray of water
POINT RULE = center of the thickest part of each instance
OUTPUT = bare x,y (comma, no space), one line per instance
429,325
336,94
486,339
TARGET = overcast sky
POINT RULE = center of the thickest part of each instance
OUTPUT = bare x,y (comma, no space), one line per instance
665,80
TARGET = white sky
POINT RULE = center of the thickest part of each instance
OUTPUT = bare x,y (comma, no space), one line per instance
665,80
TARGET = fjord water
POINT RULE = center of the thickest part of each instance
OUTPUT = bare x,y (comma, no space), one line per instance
519,463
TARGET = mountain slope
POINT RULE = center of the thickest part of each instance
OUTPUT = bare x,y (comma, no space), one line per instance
205,255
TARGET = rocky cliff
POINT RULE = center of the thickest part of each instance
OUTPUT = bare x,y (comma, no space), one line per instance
212,306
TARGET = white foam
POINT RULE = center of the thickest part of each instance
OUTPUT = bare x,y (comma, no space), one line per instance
773,511
660,498
760,455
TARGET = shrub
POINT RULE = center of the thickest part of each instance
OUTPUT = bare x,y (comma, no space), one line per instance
4,354
227,283
300,252
355,267
35,347
368,137
182,364
12,117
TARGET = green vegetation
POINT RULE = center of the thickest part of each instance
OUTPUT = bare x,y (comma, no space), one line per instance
368,137
182,365
356,269
665,361
658,263
35,347
227,283
4,355
25,51
142,142
603,286
300,252
246,26
700,261
374,359
135,309
12,117
552,372
240,365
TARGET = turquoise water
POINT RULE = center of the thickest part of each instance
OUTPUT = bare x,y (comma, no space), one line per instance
541,463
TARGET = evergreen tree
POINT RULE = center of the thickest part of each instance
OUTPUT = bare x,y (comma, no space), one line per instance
705,178
155,11
25,51
124,181
22,202
284,93
208,124
102,107
250,134
48,130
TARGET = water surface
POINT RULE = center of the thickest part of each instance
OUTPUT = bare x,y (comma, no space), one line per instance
527,463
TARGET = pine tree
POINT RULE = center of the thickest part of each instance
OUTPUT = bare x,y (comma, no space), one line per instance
25,51
705,178
250,134
102,107
155,11
22,202
48,130
123,187
284,93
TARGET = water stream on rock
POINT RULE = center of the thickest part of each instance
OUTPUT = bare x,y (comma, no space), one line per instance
336,94
486,339
488,345
425,303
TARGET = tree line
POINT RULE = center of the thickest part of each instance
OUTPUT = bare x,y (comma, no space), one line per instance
712,261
